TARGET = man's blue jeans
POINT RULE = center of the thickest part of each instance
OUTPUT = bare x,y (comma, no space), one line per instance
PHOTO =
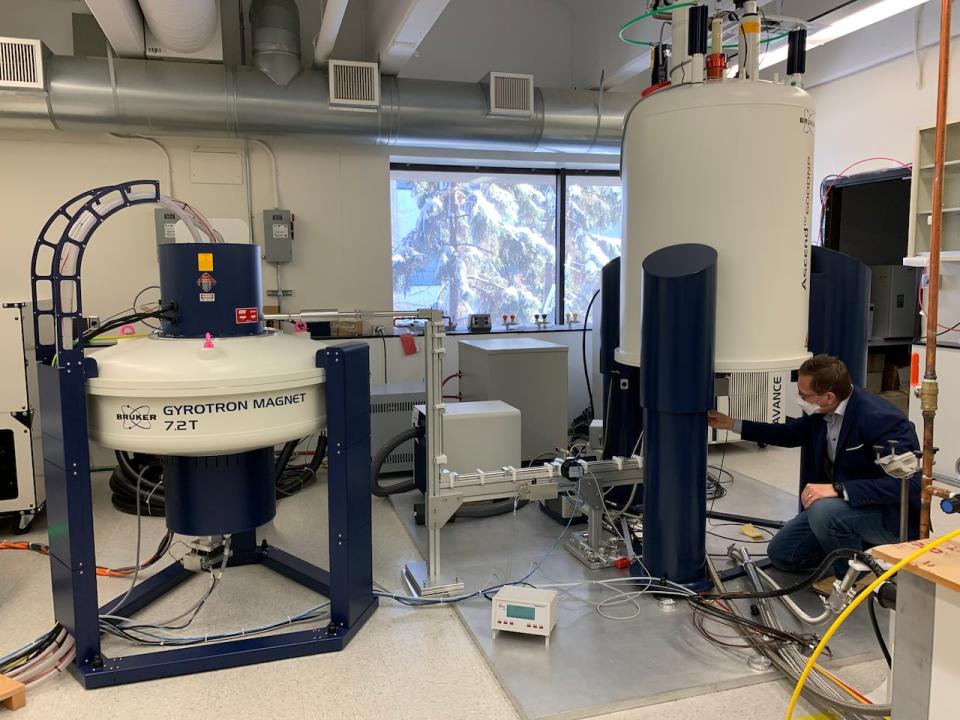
828,524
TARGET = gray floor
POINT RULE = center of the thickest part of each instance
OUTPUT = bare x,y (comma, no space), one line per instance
406,663
651,658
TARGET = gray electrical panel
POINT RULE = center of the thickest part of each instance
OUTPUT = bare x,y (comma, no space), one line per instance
391,412
277,236
166,225
530,375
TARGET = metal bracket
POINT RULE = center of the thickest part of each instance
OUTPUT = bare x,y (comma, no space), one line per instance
442,509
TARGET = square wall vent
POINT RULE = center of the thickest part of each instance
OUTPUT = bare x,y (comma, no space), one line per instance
354,84
21,63
511,94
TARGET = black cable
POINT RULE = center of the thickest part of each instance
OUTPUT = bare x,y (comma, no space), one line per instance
292,480
283,459
379,331
876,630
163,312
583,349
380,458
950,329
124,485
136,301
797,586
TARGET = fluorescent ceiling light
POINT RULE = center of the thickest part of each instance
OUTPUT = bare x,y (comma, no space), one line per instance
844,26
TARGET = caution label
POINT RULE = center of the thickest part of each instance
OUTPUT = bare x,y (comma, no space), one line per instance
208,297
206,282
205,262
247,315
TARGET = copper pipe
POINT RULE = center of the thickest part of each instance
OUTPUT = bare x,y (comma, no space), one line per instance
938,492
929,387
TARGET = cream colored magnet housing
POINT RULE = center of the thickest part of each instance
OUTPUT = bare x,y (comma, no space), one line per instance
172,396
728,164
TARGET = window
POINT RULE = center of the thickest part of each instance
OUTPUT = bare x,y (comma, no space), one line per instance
486,240
593,212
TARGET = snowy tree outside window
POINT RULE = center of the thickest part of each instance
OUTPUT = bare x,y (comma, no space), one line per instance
487,243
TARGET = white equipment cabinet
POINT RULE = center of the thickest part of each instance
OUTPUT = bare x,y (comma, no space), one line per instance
529,374
481,435
21,458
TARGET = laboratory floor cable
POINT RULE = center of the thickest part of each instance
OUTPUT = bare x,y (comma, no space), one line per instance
857,601
126,478
827,691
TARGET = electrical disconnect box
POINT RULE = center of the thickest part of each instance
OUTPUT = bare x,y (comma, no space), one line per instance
277,235
166,224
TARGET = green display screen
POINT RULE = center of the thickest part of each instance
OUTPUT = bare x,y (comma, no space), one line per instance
521,612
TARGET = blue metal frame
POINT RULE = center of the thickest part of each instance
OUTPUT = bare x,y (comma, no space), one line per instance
348,584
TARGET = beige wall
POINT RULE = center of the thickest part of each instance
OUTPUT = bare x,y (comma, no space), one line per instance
340,197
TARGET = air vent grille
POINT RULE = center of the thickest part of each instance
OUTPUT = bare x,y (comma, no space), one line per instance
21,63
393,406
399,458
749,396
511,94
354,84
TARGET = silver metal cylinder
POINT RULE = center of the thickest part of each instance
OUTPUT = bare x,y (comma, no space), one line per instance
197,99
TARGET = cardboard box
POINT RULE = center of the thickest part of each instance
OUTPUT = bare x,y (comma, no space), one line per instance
891,378
876,362
347,328
899,399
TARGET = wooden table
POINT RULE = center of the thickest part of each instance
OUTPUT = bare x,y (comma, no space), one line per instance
926,659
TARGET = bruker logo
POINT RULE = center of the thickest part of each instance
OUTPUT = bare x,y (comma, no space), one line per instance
136,417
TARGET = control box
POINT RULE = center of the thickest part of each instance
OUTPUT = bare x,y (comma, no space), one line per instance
479,322
524,610
277,236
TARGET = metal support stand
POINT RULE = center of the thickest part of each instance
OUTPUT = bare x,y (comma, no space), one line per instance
348,584
62,372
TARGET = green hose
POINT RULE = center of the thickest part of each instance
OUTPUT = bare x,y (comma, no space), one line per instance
670,8
650,13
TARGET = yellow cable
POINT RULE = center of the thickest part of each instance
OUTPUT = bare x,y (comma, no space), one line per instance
795,698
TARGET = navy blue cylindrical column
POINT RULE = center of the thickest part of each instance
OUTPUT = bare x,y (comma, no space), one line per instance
622,415
216,287
676,391
219,494
840,309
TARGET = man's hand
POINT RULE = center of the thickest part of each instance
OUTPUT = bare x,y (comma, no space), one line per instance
719,421
811,493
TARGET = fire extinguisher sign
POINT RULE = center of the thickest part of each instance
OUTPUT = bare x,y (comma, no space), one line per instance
247,315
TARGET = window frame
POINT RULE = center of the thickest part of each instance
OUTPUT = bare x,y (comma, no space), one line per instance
560,176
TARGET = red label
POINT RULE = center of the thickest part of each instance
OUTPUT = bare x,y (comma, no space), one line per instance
408,343
247,315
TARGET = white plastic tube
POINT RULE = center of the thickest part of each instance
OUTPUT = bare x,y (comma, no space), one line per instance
792,606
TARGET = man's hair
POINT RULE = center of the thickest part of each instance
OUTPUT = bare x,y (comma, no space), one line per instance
828,374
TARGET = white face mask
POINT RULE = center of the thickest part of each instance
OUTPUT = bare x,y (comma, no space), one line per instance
808,407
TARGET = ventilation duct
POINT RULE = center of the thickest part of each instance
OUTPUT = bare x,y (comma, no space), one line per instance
186,26
275,26
179,98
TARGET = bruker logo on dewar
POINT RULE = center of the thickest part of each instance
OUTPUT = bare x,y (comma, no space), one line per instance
136,417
